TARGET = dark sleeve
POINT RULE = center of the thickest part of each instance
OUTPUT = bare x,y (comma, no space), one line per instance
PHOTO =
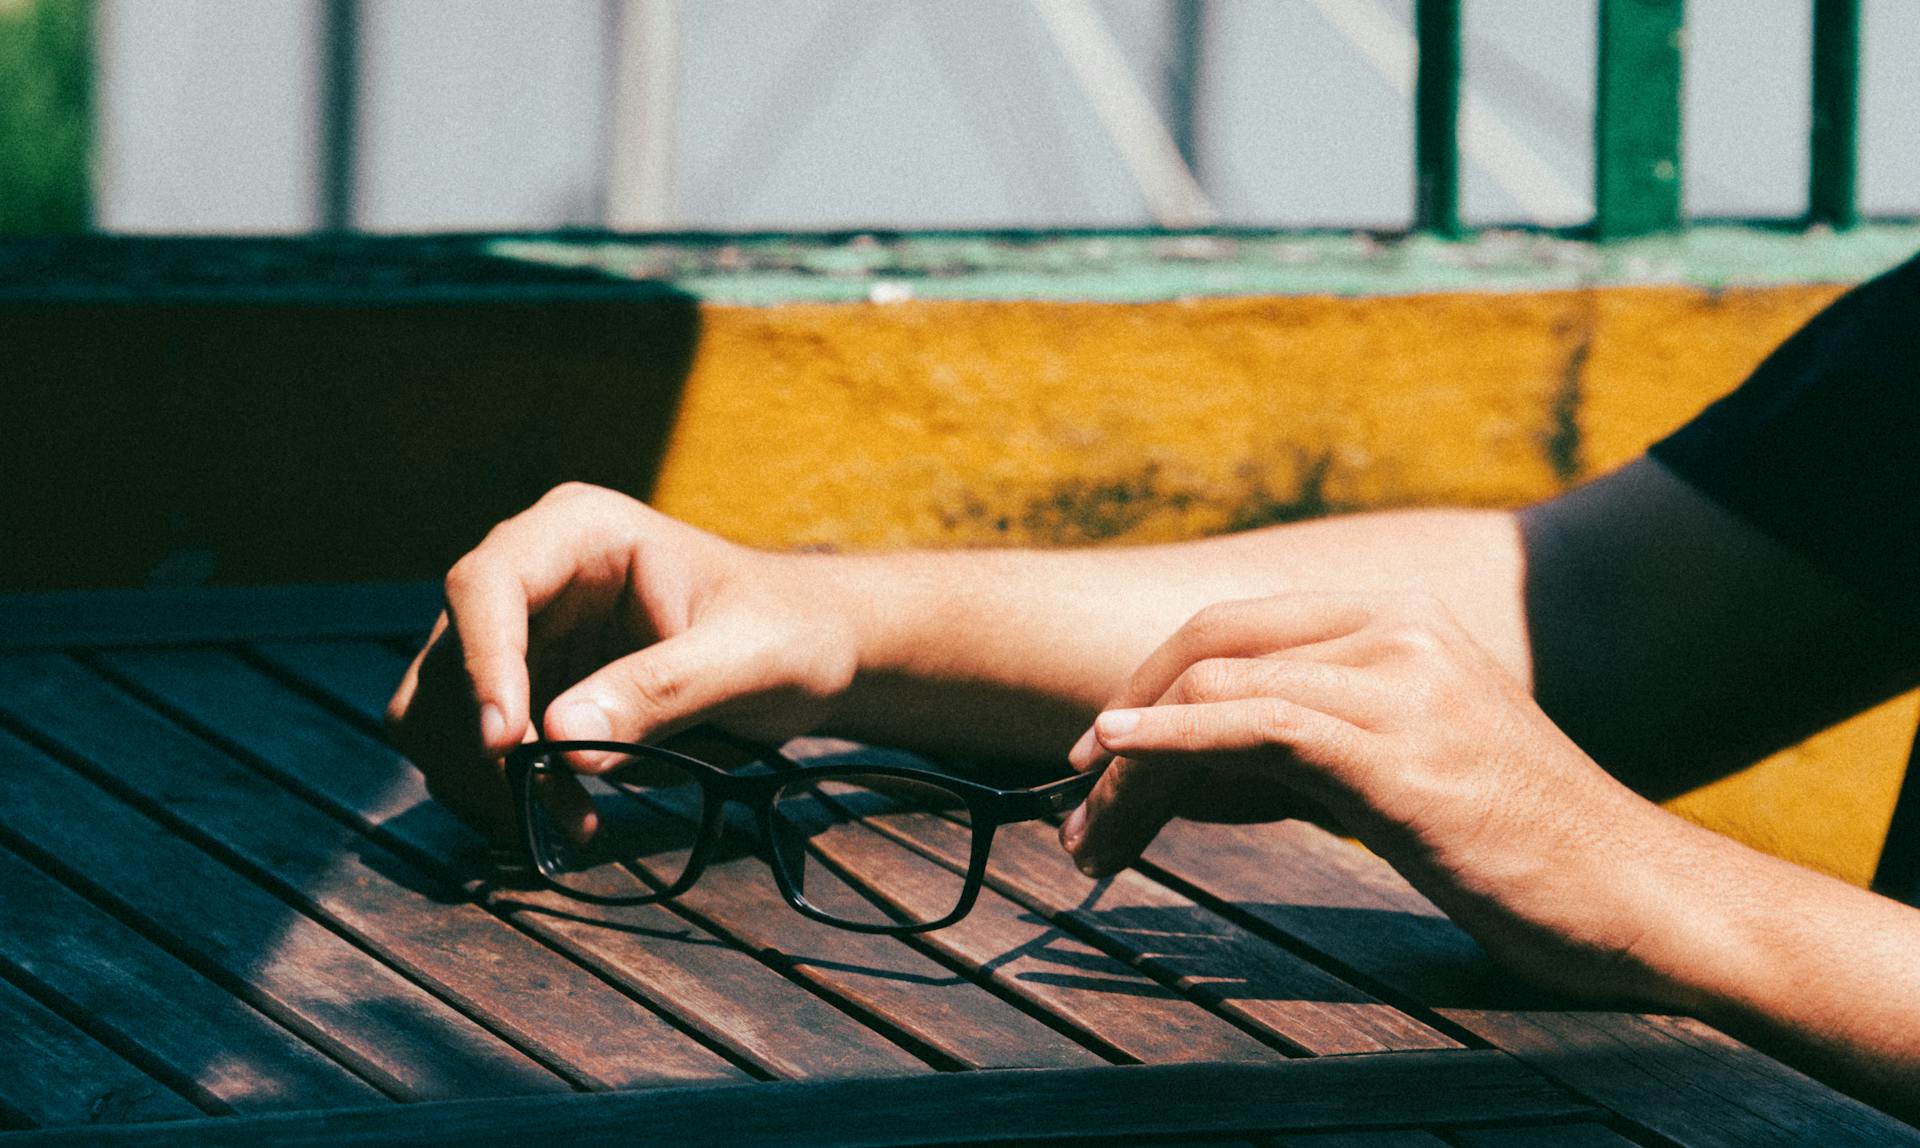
1820,448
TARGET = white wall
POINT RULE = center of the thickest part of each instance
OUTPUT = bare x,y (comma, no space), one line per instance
491,114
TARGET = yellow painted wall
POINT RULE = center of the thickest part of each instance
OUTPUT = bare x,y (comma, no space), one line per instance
989,423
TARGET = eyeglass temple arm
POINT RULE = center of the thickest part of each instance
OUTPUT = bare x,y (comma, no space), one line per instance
1060,796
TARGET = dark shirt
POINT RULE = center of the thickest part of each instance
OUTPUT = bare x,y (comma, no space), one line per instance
1820,448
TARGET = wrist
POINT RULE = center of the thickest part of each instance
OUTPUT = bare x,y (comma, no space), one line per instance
857,598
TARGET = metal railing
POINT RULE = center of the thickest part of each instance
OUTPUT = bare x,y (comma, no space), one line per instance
1636,136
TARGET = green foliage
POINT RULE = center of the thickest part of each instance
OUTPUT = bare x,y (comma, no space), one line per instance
44,120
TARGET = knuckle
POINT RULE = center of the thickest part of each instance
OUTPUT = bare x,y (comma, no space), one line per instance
1415,640
655,686
1208,623
573,490
1276,722
462,576
1188,727
1207,680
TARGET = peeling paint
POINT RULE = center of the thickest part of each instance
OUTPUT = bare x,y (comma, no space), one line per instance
1562,442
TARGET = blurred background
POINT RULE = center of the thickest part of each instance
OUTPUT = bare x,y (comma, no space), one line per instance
288,116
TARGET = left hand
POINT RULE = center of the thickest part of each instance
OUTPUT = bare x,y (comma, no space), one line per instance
1384,712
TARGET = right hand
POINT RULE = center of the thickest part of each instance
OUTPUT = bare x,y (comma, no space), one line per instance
593,617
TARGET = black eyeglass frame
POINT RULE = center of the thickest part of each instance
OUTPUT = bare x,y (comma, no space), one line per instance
988,808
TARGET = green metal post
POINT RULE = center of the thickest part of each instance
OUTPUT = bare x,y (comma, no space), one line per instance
46,88
1636,136
1436,118
339,112
1836,113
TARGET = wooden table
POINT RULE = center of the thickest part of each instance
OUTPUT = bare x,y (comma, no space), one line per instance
222,895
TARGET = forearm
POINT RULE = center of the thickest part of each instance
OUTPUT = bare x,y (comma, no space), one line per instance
1011,652
1810,967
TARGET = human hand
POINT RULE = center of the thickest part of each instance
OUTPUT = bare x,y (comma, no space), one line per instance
1386,714
591,616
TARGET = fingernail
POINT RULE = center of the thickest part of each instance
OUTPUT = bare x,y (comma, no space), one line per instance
493,725
1117,723
585,721
1083,750
1091,869
1075,829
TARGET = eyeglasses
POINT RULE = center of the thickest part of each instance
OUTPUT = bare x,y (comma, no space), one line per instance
654,818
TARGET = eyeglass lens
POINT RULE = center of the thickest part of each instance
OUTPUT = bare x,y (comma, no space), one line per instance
837,840
642,819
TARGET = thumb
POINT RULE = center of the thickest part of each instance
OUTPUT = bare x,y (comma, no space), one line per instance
665,687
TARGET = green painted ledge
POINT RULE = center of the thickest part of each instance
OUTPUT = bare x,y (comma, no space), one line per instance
1125,267
769,269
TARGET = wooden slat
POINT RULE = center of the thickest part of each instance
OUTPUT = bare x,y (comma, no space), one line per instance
217,1051
1097,1105
308,978
96,618
1339,900
358,676
1393,1138
1677,1077
1245,975
425,926
1683,1079
55,1074
1542,1136
705,983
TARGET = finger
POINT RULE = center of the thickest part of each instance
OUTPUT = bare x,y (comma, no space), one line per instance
667,687
567,805
488,603
474,790
401,703
1226,727
1352,695
1128,807
1309,681
493,593
1254,627
1245,629
1157,748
